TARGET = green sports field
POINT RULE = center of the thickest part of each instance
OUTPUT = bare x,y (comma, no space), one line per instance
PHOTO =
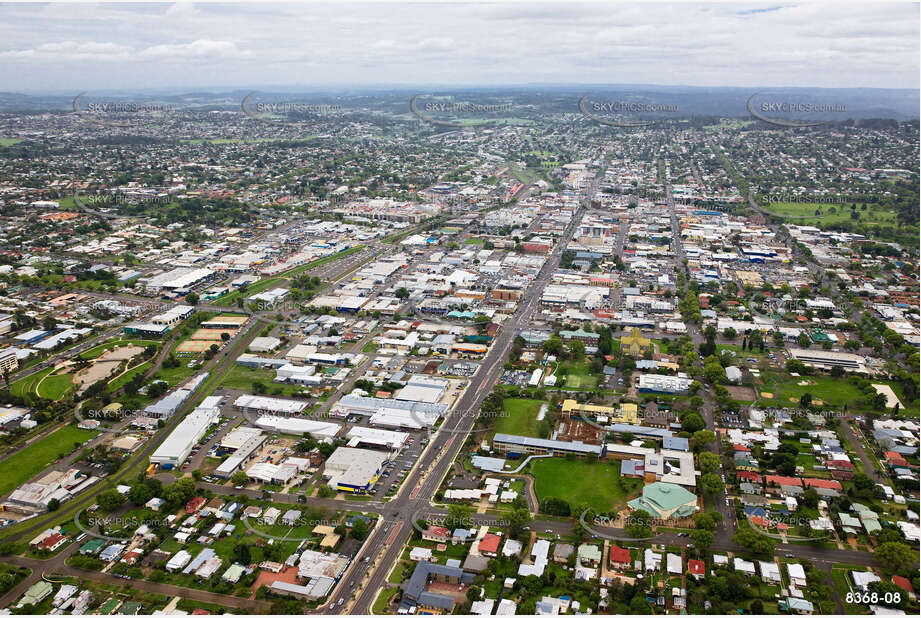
31,460
804,213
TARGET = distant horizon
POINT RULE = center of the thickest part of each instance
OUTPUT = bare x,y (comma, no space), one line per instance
409,86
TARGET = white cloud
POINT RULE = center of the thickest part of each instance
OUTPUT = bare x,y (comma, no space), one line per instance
709,44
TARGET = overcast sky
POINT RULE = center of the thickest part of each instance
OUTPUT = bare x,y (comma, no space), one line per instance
71,47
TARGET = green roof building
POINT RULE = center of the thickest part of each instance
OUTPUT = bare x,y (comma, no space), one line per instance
109,607
130,608
93,546
233,573
665,501
36,593
590,554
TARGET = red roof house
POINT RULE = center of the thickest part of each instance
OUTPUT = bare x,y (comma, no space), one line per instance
773,479
895,459
194,504
619,557
53,541
903,583
436,533
823,483
489,545
696,567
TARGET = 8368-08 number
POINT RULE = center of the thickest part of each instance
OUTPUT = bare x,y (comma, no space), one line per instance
872,598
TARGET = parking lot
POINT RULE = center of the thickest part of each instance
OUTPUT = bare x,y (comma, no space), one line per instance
399,467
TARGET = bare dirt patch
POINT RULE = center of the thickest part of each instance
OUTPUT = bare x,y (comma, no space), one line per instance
106,364
742,393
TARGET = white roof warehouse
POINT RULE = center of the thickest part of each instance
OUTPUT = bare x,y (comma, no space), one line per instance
353,469
177,446
269,405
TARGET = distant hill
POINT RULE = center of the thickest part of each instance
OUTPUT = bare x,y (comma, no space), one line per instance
858,103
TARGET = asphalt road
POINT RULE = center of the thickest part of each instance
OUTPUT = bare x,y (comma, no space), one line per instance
383,548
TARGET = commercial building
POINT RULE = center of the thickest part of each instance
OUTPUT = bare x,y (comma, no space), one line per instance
665,501
666,385
826,359
65,336
430,571
371,406
354,470
9,361
422,389
261,345
269,298
237,438
295,374
626,413
265,472
526,445
167,406
178,278
176,447
254,404
320,430
376,438
53,485
242,452
320,570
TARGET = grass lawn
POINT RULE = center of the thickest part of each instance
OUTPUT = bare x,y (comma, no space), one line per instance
31,460
383,600
242,378
910,408
578,375
26,386
868,221
742,355
579,482
803,213
840,578
54,387
118,382
474,241
174,375
830,391
97,351
520,419
807,461
9,141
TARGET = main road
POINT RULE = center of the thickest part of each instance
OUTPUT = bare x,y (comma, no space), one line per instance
708,409
370,567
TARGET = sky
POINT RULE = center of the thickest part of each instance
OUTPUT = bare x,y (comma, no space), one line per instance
209,46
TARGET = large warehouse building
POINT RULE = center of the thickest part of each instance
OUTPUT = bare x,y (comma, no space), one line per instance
826,359
354,470
255,404
178,278
320,430
177,446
